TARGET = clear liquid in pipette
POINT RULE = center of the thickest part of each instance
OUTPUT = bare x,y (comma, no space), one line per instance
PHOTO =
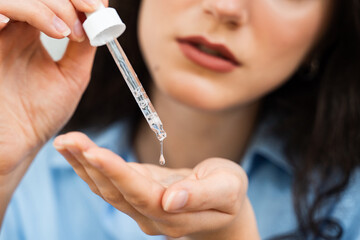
136,89
138,92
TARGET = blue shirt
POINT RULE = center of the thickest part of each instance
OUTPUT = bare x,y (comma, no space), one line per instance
53,203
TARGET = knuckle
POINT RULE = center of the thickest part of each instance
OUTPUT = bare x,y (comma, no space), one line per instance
94,190
32,16
7,166
203,202
234,201
238,181
173,231
82,6
174,228
138,202
233,196
66,10
234,193
111,197
148,229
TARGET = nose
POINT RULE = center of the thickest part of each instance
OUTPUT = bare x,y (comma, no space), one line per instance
229,12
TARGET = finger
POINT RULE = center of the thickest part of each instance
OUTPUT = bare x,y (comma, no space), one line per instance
76,64
76,143
189,223
211,221
222,190
140,191
38,15
96,181
78,168
86,5
103,187
105,2
112,195
66,11
139,196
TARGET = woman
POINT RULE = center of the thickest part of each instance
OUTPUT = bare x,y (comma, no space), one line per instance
243,81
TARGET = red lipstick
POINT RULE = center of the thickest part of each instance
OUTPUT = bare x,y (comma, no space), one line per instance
213,56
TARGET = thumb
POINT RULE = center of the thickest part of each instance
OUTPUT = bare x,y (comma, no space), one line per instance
221,190
77,62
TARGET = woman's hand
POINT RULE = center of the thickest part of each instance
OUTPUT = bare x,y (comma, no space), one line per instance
38,95
207,202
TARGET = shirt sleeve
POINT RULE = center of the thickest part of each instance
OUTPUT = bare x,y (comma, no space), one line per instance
11,227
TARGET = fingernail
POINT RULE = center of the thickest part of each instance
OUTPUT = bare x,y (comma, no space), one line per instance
58,144
176,200
92,159
88,155
78,31
67,142
61,27
61,142
4,19
92,3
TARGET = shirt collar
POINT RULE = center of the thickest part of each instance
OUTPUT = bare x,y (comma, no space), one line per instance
116,138
269,147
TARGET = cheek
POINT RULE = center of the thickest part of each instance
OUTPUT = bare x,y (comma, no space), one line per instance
282,36
146,30
285,31
156,31
158,22
158,26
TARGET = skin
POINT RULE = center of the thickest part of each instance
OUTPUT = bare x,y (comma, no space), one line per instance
27,121
211,112
257,32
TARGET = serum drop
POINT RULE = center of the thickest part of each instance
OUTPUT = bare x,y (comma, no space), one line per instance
162,159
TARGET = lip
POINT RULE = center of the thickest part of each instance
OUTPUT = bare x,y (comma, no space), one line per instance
188,46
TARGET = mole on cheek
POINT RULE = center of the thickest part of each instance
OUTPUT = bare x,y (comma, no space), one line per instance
156,68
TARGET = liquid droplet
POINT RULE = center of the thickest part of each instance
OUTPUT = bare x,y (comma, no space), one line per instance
162,160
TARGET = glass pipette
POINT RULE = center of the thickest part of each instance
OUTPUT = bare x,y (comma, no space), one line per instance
104,26
136,89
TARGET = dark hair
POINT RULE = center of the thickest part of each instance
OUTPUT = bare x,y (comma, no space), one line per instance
320,116
318,112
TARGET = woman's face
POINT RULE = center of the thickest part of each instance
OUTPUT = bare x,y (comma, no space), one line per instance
219,54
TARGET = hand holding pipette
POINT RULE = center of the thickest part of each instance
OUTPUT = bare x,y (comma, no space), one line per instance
38,95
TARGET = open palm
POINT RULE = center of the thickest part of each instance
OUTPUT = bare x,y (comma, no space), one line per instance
195,202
